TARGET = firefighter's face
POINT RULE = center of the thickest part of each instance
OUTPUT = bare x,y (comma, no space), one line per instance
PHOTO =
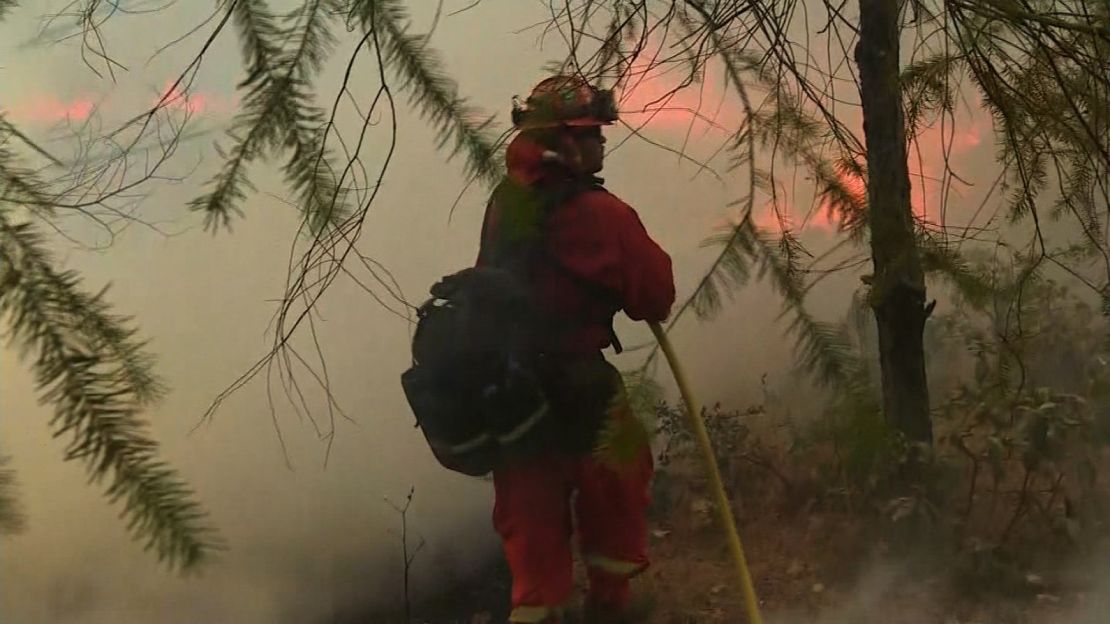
591,147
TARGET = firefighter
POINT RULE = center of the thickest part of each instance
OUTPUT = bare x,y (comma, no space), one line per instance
600,260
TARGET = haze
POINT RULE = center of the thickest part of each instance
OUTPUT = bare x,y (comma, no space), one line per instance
308,539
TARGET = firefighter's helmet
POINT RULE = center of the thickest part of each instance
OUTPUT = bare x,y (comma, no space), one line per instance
564,101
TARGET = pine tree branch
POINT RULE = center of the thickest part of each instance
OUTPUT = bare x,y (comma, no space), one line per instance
12,519
730,270
6,6
324,260
7,129
927,87
317,41
278,114
945,261
1046,87
259,35
431,90
19,185
87,364
795,135
1007,11
824,349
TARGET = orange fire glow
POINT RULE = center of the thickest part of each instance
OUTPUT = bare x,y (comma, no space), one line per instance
655,104
49,109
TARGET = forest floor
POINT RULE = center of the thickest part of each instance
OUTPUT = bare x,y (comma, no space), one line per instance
810,566
824,568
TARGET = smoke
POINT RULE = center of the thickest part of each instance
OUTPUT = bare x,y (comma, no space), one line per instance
1089,578
868,601
310,541
304,542
900,593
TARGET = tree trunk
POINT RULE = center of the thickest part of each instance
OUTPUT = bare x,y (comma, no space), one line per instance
898,284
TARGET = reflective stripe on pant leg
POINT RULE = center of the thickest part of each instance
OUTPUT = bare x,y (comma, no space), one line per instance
536,615
615,567
610,581
612,518
532,515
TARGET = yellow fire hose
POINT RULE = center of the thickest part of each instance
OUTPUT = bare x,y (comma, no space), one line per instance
724,508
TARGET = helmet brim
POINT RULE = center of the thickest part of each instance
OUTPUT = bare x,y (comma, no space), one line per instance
585,122
582,123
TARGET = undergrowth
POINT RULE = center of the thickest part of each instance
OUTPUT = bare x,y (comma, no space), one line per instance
1015,479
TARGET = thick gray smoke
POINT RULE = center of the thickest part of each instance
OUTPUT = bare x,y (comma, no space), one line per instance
309,541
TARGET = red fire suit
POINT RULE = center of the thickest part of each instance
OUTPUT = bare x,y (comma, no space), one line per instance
601,239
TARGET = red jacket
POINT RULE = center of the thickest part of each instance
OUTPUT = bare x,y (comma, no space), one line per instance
600,239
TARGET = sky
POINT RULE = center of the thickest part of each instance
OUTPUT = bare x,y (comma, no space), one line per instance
307,539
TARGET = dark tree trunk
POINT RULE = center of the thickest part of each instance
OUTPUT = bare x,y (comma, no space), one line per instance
898,284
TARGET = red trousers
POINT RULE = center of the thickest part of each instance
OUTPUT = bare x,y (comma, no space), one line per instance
538,503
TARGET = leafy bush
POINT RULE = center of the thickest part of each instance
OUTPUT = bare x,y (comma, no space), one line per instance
1021,393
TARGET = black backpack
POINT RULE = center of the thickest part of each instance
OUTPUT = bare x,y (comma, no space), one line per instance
473,385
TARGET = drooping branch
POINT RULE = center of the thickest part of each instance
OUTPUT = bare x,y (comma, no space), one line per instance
90,367
434,94
12,519
278,114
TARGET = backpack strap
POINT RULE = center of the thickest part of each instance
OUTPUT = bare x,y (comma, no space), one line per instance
538,204
594,289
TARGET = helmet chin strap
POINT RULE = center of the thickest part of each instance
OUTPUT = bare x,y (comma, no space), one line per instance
570,162
552,157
